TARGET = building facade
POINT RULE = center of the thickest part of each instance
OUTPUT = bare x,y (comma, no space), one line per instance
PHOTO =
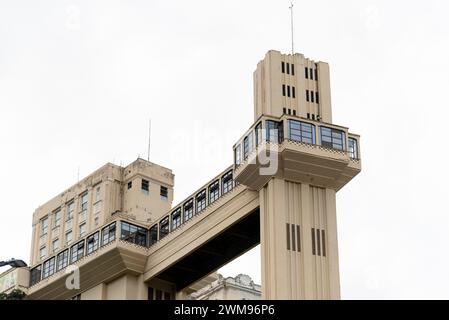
116,235
241,287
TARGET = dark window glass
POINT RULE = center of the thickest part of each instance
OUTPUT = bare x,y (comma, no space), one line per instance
35,275
238,155
318,242
188,210
293,92
288,68
134,234
313,241
307,96
283,90
93,241
145,185
352,148
48,268
164,227
164,193
227,182
108,234
312,97
306,71
150,293
332,138
283,66
298,237
317,98
201,201
258,130
248,145
288,91
288,236
176,219
158,295
130,185
311,73
316,74
63,260
293,69
77,251
323,239
301,131
214,191
153,234
274,131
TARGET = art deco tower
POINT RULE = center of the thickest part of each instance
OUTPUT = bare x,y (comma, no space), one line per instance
314,159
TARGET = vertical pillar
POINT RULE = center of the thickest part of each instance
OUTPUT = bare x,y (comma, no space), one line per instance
289,271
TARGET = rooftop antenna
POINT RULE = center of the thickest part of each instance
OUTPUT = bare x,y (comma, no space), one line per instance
149,139
291,23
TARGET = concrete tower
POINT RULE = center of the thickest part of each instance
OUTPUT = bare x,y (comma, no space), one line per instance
313,159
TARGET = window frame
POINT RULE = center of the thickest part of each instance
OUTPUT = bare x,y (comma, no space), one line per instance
200,201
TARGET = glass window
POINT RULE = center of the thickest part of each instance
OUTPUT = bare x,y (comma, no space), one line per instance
35,275
130,185
62,260
153,234
214,191
48,268
44,226
164,227
70,210
283,66
332,138
108,234
55,245
293,69
82,229
352,148
188,210
57,218
83,202
145,186
68,237
238,155
77,251
164,193
258,130
93,242
176,219
97,207
201,201
134,234
227,182
306,71
248,145
42,253
274,131
301,131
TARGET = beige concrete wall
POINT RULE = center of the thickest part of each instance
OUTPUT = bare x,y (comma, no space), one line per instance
290,273
268,81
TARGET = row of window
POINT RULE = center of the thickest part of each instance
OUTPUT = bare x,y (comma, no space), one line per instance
293,233
73,254
293,237
145,188
288,68
191,207
297,131
57,214
312,96
310,73
288,91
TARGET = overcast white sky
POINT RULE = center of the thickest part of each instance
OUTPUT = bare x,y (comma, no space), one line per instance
79,80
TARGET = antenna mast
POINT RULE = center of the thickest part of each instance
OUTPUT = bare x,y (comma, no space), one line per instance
149,139
291,23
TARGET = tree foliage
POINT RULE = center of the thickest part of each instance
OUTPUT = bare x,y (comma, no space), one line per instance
16,294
